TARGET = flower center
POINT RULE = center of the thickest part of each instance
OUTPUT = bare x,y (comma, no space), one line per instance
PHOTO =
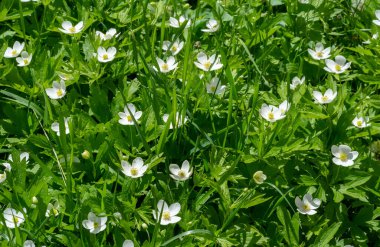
72,29
325,98
14,52
338,67
105,56
96,224
319,54
271,115
59,92
306,207
181,174
213,88
134,171
359,123
166,215
129,118
343,157
26,61
165,67
15,219
55,211
207,65
174,48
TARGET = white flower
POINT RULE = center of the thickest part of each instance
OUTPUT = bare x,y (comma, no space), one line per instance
15,51
208,64
167,213
57,91
307,205
126,117
3,177
215,86
167,66
23,155
181,174
271,113
319,53
284,107
212,26
325,98
377,21
52,209
13,218
178,23
108,35
179,120
304,1
29,243
361,122
343,155
297,81
174,47
128,243
95,224
259,177
375,36
25,1
136,170
104,55
68,27
55,126
338,66
24,59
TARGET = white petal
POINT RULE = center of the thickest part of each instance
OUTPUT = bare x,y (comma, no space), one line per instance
174,209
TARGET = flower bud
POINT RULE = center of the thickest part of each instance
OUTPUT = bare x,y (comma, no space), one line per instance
259,177
144,226
86,155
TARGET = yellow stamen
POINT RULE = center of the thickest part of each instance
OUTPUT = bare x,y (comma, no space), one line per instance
105,56
26,61
207,65
325,98
72,29
14,52
129,118
166,215
181,174
59,92
306,207
134,171
359,123
15,219
343,156
96,224
165,67
212,88
319,54
271,115
338,67
174,48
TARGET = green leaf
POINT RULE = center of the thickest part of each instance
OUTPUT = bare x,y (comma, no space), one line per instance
327,234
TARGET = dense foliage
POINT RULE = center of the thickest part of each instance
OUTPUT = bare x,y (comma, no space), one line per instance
191,123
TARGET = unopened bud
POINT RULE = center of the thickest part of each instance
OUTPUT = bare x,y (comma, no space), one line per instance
86,155
144,226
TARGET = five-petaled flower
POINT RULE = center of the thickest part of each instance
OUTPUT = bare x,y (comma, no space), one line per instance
307,205
136,170
173,22
167,66
68,28
297,81
104,55
208,63
167,213
24,59
126,117
212,26
320,52
325,98
181,173
95,224
215,86
272,113
55,126
57,91
361,122
343,155
338,66
108,35
13,218
174,47
15,51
